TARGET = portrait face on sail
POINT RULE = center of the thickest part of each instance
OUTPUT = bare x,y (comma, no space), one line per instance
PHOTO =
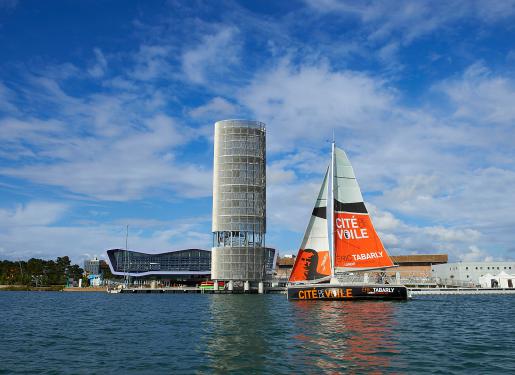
310,260
310,265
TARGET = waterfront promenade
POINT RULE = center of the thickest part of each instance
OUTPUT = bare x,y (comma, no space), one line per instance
282,290
415,291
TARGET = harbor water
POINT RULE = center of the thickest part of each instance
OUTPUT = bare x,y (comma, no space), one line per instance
98,333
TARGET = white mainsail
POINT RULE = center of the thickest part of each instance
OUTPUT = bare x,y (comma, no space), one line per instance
356,244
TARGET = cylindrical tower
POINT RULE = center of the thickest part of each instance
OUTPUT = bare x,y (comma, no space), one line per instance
239,201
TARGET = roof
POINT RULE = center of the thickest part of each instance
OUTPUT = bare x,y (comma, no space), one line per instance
285,261
420,258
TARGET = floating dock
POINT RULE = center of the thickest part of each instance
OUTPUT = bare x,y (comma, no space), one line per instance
282,290
460,291
182,290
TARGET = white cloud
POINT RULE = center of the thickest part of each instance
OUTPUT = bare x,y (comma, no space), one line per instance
389,240
481,95
423,165
289,205
445,234
384,221
437,180
32,213
309,102
215,54
99,68
410,20
216,109
6,96
475,254
152,62
34,230
276,175
36,238
112,147
121,167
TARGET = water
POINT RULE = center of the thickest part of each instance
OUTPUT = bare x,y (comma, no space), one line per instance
96,333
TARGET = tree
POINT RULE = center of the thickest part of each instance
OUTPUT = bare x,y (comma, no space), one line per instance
39,272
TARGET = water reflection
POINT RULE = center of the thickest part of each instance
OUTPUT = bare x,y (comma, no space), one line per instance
237,341
260,334
355,336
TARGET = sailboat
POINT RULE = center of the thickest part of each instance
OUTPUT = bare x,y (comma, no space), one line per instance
321,265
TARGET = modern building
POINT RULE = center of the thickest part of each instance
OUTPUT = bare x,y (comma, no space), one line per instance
94,271
188,266
472,273
189,262
239,202
92,266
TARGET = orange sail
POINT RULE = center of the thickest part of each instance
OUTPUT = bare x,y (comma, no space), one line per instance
356,243
313,261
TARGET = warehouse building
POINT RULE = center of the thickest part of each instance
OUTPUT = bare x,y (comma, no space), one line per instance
475,274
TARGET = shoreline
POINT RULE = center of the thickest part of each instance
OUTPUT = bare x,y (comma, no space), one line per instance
28,288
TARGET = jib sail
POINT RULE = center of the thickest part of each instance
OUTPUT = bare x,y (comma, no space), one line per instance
313,262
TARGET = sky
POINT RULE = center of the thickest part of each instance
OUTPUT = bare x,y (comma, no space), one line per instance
107,111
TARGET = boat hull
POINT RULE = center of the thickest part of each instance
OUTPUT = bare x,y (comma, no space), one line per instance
332,292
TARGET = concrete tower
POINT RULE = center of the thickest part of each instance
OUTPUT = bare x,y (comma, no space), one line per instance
239,202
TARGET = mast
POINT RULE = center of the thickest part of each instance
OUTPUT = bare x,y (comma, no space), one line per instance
127,258
331,197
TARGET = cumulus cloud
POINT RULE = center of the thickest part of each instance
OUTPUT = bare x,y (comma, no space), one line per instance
310,101
119,167
479,94
383,220
418,164
446,234
475,254
105,146
436,175
215,54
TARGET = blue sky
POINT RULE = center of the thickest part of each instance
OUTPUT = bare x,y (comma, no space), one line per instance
107,112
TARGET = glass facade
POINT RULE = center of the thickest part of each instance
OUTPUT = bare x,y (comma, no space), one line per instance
92,266
239,200
182,262
190,261
239,184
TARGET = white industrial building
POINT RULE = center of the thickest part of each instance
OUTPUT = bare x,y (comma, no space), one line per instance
475,274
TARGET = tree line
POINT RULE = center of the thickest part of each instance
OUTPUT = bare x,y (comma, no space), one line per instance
39,272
